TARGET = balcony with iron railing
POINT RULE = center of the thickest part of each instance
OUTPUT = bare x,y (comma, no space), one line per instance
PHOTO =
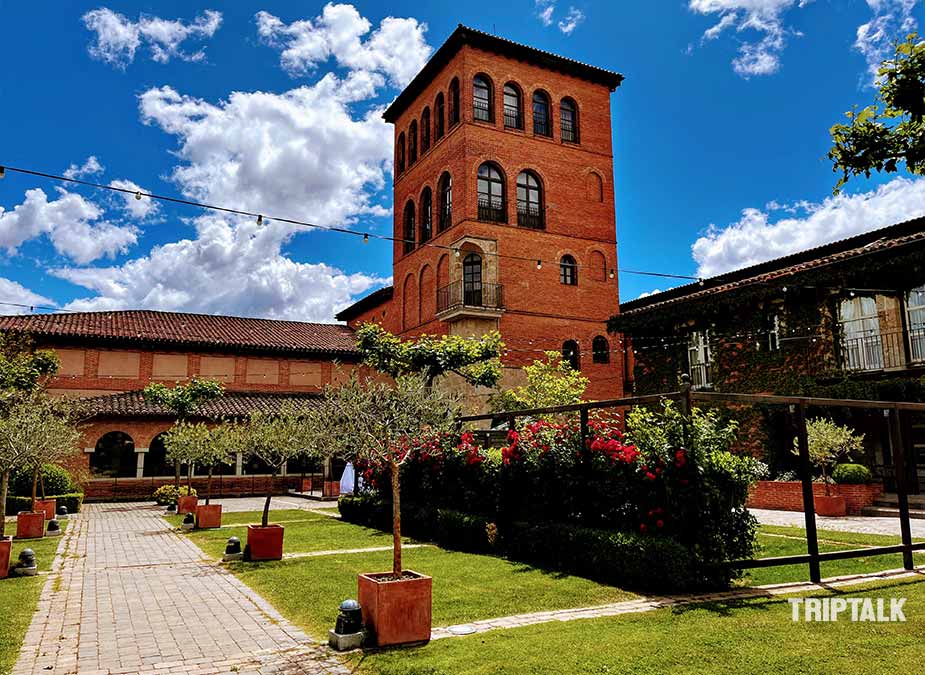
469,299
492,209
530,215
883,350
701,375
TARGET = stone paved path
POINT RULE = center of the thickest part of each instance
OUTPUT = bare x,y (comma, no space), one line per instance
128,595
862,524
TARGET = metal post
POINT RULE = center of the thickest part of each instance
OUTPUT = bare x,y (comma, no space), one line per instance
809,508
902,493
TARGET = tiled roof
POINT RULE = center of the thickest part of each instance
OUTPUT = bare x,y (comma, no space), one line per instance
897,236
232,404
196,330
492,43
374,299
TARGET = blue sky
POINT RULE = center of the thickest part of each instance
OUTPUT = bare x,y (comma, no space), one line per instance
720,133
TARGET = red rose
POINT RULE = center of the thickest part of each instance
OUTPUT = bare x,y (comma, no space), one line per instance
659,523
642,527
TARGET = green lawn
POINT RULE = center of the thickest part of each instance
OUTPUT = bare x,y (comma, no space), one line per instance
794,543
19,596
734,638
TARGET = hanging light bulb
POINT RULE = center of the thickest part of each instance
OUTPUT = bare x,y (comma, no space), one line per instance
457,253
138,196
365,238
260,220
612,273
2,171
539,264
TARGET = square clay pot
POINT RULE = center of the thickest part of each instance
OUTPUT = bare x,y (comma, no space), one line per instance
30,524
46,506
187,504
208,516
265,543
833,505
396,612
6,548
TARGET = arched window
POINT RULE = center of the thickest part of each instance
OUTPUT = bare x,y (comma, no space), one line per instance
400,153
542,125
438,117
568,120
570,354
513,107
529,201
600,350
410,231
454,103
568,271
156,459
114,456
482,108
445,194
472,280
413,142
426,214
492,206
425,130
595,187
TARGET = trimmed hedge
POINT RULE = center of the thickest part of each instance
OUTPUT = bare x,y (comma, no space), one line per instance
623,559
57,480
852,474
73,501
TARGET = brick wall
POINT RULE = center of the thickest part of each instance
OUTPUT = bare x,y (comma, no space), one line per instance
222,486
788,495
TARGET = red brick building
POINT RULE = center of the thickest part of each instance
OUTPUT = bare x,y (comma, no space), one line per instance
504,206
107,358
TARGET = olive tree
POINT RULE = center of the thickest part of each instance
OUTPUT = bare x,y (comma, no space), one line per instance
187,443
219,448
33,430
372,420
828,443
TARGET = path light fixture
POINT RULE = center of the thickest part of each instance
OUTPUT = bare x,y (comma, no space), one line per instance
26,566
62,513
348,631
233,550
189,522
53,529
171,508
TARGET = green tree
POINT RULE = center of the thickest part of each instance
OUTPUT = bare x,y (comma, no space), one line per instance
187,444
23,369
828,444
891,131
550,382
183,400
34,429
372,421
222,443
477,360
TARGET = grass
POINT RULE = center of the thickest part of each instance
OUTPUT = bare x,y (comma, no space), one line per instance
19,596
734,638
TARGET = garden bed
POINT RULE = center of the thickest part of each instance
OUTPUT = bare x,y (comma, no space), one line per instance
788,495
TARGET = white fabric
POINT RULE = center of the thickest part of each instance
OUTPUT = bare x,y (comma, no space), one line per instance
347,480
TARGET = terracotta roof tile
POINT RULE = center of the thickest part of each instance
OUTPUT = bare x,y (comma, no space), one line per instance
191,330
232,404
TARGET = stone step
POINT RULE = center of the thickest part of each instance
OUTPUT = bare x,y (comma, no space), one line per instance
891,512
890,500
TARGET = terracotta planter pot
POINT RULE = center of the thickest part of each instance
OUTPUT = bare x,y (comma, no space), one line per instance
208,516
30,524
187,504
396,612
265,543
833,505
46,506
332,488
6,547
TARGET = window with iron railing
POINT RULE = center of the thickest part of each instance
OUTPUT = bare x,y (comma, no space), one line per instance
481,99
915,321
529,201
568,121
513,116
541,124
492,205
492,209
699,359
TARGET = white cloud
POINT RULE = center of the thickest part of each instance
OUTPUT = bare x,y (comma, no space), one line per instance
74,225
13,292
89,168
137,209
756,18
892,21
230,267
754,239
544,11
572,20
396,49
646,294
118,37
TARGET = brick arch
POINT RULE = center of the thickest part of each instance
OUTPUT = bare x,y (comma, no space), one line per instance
597,265
594,186
409,303
443,270
427,296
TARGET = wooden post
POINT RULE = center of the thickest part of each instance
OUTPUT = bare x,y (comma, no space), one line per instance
902,492
684,403
809,507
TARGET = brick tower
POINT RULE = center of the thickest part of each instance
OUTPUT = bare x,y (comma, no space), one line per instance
504,198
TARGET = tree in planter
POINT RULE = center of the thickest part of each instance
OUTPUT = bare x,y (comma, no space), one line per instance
828,444
183,400
219,449
187,443
550,382
57,441
373,421
33,428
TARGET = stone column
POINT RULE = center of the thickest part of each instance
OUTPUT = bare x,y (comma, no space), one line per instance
238,464
140,466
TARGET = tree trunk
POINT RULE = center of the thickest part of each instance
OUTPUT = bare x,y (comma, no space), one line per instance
825,480
189,478
176,478
209,487
396,520
42,483
4,484
35,485
266,506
